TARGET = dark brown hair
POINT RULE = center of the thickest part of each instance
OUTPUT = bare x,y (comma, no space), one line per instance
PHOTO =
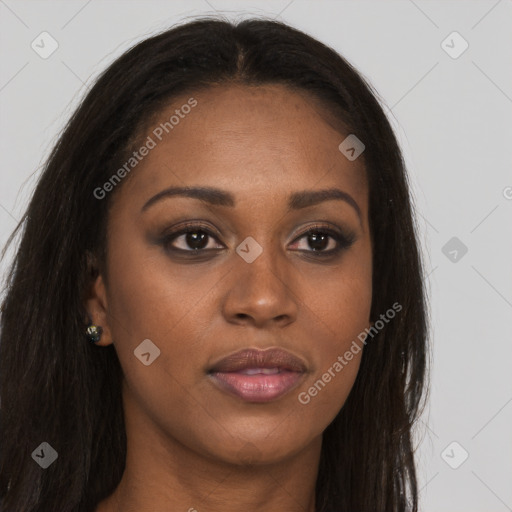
56,387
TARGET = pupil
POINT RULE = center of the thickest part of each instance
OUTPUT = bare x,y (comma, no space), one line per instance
318,242
196,239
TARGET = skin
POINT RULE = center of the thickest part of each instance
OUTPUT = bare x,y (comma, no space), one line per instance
190,445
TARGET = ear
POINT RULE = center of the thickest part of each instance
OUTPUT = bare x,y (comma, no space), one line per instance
96,304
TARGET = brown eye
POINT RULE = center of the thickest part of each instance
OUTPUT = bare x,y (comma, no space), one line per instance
190,239
320,241
325,241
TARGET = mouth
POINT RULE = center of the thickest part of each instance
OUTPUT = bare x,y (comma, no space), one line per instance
258,375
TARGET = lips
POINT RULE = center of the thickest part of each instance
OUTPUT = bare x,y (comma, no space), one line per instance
252,358
258,375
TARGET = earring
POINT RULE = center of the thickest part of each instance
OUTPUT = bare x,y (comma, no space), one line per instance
94,333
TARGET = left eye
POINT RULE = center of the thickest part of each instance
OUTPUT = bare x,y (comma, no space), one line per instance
325,241
319,241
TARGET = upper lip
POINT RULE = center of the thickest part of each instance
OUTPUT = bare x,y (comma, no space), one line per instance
254,358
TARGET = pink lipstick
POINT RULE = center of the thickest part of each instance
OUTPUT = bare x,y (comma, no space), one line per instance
258,375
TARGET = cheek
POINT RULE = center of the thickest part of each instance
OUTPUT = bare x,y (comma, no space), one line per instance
339,315
154,300
339,305
150,304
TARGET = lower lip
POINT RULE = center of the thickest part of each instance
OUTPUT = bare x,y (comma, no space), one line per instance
259,387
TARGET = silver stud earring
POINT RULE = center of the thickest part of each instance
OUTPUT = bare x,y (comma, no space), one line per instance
94,333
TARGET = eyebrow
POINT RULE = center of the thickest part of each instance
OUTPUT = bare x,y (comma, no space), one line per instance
218,197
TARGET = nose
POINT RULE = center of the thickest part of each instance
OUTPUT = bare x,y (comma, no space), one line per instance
261,293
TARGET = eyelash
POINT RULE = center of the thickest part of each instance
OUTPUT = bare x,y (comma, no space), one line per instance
344,241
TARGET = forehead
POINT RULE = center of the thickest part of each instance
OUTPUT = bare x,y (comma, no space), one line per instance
247,139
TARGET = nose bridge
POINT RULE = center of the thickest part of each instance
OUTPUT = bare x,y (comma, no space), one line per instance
258,286
260,262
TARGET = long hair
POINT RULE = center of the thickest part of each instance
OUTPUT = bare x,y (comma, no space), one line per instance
55,387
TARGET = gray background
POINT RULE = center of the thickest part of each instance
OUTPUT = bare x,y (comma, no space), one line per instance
453,119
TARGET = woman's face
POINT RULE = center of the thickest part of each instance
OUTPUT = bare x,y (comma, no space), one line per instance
246,277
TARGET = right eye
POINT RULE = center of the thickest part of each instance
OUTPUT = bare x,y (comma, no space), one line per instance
193,236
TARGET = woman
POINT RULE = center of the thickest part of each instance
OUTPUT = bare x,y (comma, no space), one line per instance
217,301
